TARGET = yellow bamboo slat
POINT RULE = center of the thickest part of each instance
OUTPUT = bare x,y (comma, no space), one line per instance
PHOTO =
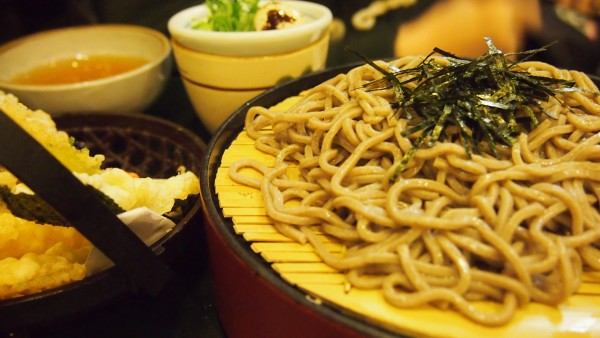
251,219
243,211
229,202
241,191
241,153
303,267
305,278
222,178
265,237
589,289
290,257
295,247
242,139
255,228
232,199
591,277
271,237
299,265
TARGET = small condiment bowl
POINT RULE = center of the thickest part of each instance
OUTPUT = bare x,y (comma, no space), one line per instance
214,105
131,91
223,70
218,85
250,72
267,42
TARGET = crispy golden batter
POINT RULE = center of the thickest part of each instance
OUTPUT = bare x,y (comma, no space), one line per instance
19,237
33,272
41,126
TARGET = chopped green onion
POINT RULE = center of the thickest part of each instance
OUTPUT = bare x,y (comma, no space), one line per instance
228,16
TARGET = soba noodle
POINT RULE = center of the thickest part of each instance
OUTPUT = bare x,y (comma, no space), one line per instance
451,230
366,18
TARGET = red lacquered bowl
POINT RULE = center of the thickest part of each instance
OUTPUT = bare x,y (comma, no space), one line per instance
252,300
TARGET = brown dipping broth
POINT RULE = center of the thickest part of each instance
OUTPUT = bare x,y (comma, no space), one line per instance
80,68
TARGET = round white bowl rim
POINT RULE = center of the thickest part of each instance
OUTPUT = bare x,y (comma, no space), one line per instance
180,48
179,32
93,83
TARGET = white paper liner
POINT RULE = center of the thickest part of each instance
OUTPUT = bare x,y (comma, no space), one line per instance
145,223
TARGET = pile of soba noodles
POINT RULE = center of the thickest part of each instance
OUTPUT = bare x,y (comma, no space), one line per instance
453,228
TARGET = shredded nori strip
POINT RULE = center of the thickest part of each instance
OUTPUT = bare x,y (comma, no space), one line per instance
490,99
33,208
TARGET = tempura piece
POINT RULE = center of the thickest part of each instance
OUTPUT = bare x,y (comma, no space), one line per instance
41,126
33,272
129,192
19,237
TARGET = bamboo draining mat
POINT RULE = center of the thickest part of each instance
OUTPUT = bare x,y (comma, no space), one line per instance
299,265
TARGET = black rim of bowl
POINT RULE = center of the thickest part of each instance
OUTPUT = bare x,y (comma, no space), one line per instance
222,138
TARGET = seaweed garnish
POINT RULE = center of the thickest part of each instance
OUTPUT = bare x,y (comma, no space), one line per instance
490,100
33,208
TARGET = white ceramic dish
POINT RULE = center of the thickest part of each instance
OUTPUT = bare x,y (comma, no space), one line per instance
128,92
250,72
213,106
251,43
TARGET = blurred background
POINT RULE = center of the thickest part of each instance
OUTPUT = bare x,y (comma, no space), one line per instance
376,28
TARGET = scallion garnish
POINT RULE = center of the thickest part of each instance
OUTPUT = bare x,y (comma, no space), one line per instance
228,16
